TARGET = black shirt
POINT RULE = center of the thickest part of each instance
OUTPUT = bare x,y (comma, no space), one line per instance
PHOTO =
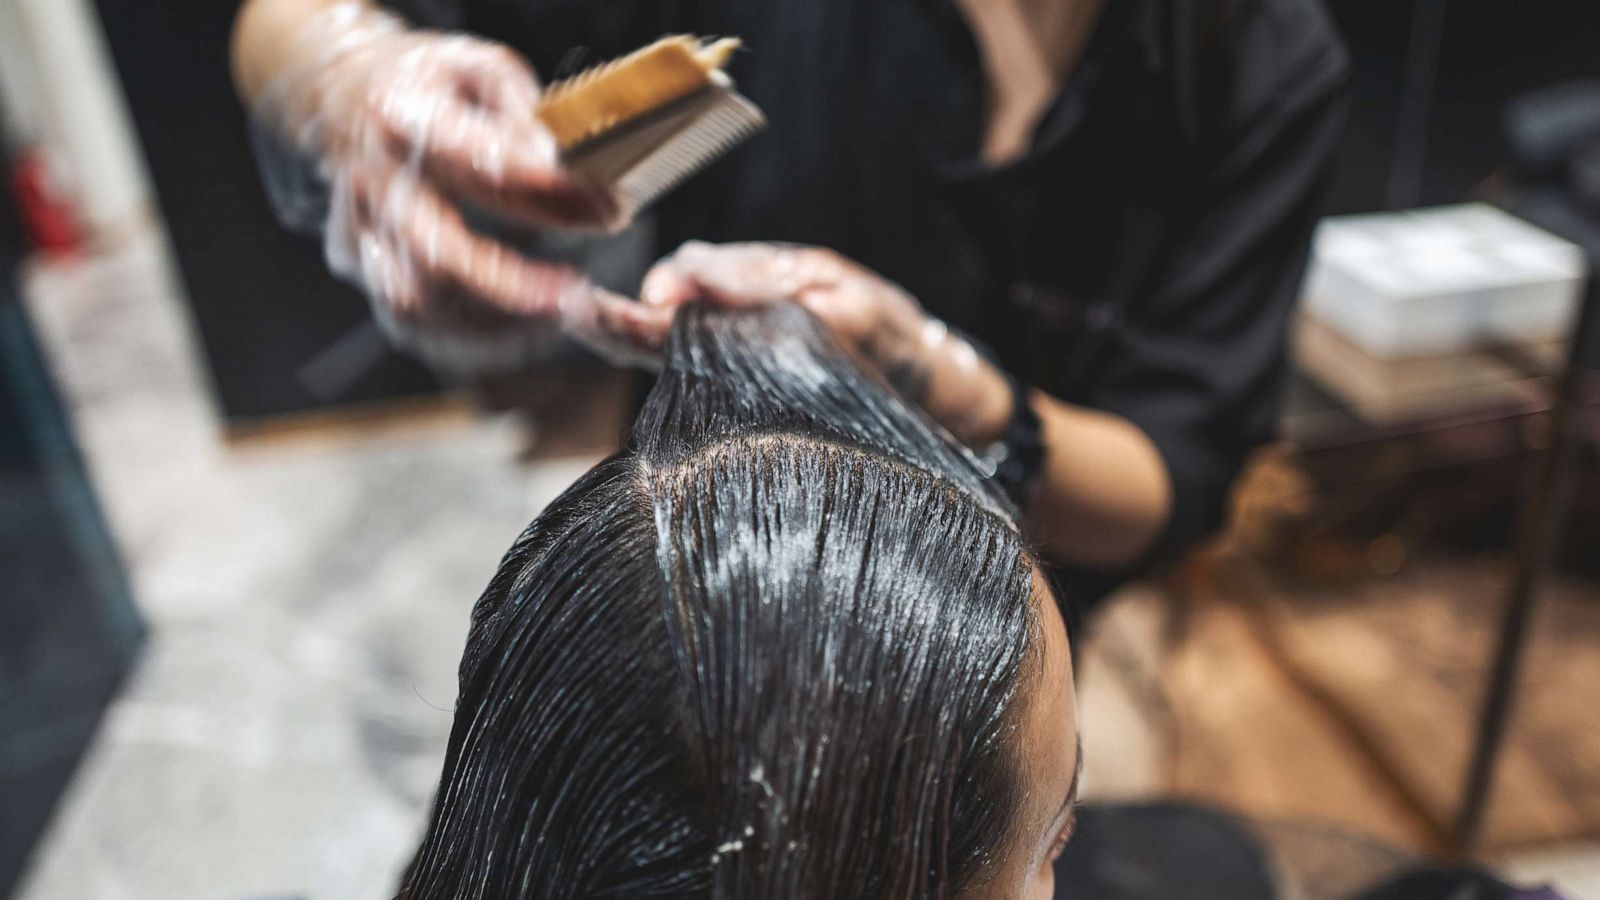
1143,258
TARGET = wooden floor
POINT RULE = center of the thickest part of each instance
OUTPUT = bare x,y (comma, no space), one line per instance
1402,660
1352,701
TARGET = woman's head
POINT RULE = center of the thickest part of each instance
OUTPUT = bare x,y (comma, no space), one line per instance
787,644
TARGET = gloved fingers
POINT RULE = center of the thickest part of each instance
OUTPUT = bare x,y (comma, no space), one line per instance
417,257
857,304
742,273
499,79
454,258
361,87
518,186
854,309
502,161
622,330
667,285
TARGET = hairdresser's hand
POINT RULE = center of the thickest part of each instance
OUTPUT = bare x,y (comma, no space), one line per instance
864,311
869,314
410,129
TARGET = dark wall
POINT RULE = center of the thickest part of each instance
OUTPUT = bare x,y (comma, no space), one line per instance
263,300
1488,52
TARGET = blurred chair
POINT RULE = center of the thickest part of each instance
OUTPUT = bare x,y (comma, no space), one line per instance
1554,137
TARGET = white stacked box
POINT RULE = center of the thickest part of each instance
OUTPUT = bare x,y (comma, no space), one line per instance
1435,281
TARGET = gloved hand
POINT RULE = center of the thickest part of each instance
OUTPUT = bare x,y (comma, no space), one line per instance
885,326
409,130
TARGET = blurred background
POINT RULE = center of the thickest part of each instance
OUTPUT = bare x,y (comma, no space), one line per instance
239,536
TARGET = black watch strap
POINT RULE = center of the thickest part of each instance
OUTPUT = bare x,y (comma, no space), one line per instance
1017,457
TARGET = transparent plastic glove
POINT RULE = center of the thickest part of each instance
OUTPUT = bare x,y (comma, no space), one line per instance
402,147
863,309
925,361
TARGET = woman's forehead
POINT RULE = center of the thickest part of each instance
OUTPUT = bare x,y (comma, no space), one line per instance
1050,730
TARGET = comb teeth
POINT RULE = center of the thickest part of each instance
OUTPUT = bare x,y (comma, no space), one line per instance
727,122
598,100
642,124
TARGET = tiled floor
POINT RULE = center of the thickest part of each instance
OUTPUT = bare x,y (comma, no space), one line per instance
307,601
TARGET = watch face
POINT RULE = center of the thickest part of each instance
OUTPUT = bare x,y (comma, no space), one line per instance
991,458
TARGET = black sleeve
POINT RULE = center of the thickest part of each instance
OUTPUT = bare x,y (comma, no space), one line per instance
428,13
1203,363
556,36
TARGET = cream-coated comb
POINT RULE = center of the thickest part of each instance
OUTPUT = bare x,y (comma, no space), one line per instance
643,123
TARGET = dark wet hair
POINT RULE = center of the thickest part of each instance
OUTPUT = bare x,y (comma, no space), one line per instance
772,649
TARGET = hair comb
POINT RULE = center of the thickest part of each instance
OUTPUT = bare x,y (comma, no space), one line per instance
643,123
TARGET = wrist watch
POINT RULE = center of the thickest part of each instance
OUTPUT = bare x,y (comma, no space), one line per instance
1015,460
